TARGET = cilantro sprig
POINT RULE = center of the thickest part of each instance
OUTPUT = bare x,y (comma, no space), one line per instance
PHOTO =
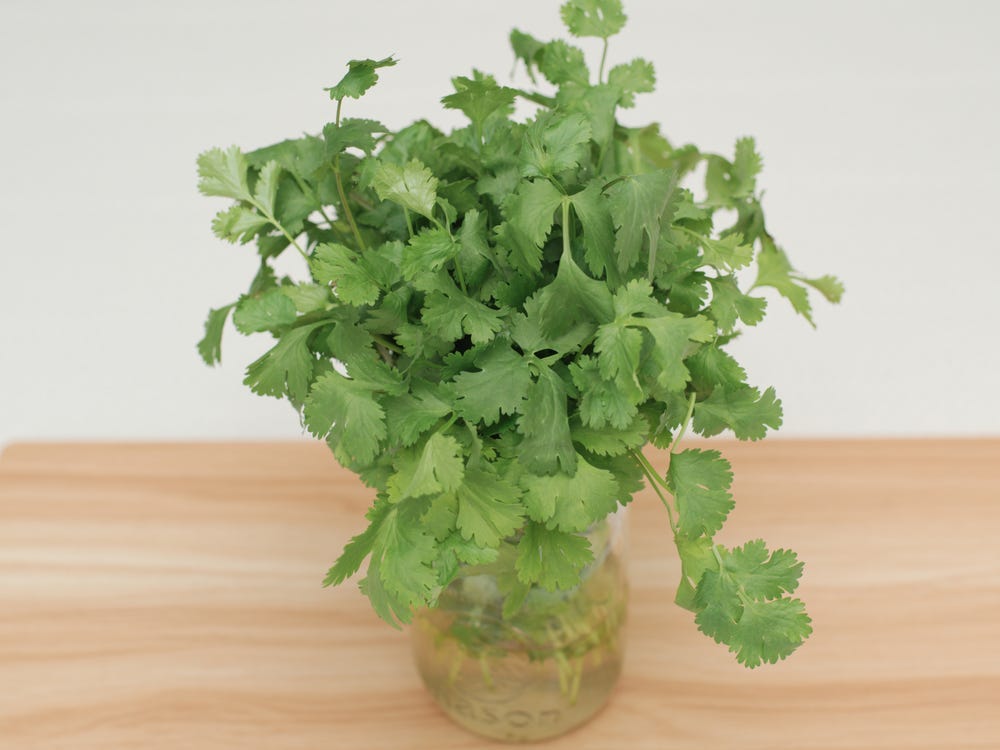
492,322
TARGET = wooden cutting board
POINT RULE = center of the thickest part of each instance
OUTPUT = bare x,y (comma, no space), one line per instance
168,596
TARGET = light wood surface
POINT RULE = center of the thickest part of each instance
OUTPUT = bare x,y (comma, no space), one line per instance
167,596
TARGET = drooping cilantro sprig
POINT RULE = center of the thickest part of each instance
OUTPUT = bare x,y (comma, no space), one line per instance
518,308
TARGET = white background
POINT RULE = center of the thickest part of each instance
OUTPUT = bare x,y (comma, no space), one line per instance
879,122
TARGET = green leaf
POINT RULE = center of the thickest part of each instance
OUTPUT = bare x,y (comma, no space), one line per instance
530,214
479,98
573,297
711,366
552,559
402,554
307,298
411,186
728,253
829,286
360,77
428,251
526,49
594,213
618,349
571,503
672,335
746,166
500,386
437,468
238,224
358,548
700,481
610,441
348,416
745,411
488,508
602,402
636,77
210,346
356,278
763,574
547,446
448,315
410,415
596,18
286,368
770,631
774,270
638,205
224,173
563,63
351,133
729,304
554,143
267,312
265,192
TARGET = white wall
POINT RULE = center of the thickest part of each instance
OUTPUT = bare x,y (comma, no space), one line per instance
879,122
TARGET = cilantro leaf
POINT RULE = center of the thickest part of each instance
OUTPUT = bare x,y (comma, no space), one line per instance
699,481
729,304
347,415
488,508
360,77
744,410
354,277
238,224
437,468
598,18
286,368
448,315
563,63
526,49
351,133
210,346
711,366
554,144
638,206
672,335
500,386
552,559
602,402
547,446
358,548
224,174
409,415
412,186
530,214
829,286
571,503
636,77
267,312
480,97
429,251
610,441
775,270
594,213
573,297
739,604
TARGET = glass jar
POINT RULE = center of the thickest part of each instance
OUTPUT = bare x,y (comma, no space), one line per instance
540,672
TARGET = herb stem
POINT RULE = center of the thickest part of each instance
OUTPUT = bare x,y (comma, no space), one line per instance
340,190
409,222
532,96
604,57
654,482
386,343
684,424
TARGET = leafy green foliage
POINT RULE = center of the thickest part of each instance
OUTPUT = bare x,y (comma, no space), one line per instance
491,323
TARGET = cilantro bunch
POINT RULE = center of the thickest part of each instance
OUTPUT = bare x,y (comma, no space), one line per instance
494,322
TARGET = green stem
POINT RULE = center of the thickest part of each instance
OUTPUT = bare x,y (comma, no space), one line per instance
409,222
274,221
386,343
340,191
604,57
654,482
684,424
531,96
565,226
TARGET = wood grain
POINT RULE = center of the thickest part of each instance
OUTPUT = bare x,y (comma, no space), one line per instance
167,596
